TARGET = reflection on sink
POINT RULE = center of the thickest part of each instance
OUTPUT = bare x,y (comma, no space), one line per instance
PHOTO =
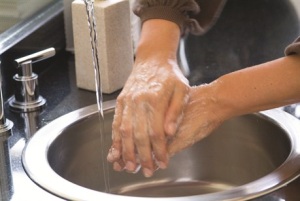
247,157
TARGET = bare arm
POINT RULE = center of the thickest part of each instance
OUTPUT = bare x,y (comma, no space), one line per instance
268,85
265,86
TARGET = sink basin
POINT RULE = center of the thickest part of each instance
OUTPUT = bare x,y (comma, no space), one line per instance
246,158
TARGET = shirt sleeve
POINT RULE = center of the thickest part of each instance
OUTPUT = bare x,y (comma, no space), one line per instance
293,48
185,13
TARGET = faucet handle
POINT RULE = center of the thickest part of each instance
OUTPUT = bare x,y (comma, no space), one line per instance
27,98
26,62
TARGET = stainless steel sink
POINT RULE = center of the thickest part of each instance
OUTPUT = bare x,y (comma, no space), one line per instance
246,158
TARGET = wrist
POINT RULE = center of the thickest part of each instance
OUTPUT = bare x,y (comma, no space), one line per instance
212,102
159,39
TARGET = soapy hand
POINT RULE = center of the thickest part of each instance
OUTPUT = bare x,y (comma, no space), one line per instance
148,111
202,115
150,107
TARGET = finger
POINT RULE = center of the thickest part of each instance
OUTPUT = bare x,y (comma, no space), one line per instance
190,126
179,143
196,125
157,135
174,112
142,140
119,165
126,129
114,153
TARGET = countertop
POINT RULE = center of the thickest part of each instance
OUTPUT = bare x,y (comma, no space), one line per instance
247,33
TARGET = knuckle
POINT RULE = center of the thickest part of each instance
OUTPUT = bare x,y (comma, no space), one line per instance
120,99
184,87
187,88
139,97
155,136
140,140
147,96
185,99
126,131
115,138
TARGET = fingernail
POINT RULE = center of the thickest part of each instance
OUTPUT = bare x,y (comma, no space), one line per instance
109,158
112,155
117,167
161,165
138,167
130,166
147,172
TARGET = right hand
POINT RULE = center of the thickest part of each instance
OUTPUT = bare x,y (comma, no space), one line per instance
152,101
148,110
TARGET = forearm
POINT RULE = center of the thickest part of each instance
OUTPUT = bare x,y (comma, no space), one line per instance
265,86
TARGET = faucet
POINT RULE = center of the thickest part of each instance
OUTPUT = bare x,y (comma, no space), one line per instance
5,168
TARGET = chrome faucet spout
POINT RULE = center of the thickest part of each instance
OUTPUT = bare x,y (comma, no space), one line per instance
5,124
2,117
5,168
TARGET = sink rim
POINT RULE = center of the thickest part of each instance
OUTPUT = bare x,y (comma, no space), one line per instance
38,146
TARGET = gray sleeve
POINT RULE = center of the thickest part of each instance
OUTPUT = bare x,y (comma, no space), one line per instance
185,13
293,48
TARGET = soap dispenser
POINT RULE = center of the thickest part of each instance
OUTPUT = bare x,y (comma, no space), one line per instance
27,97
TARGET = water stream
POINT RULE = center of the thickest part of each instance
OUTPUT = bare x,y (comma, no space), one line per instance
93,37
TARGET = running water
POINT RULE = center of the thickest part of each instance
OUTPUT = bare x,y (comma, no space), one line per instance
93,36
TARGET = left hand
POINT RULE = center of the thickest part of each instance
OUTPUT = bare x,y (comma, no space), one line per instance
202,115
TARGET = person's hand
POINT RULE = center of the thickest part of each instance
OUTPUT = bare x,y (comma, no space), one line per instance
202,115
151,104
149,108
